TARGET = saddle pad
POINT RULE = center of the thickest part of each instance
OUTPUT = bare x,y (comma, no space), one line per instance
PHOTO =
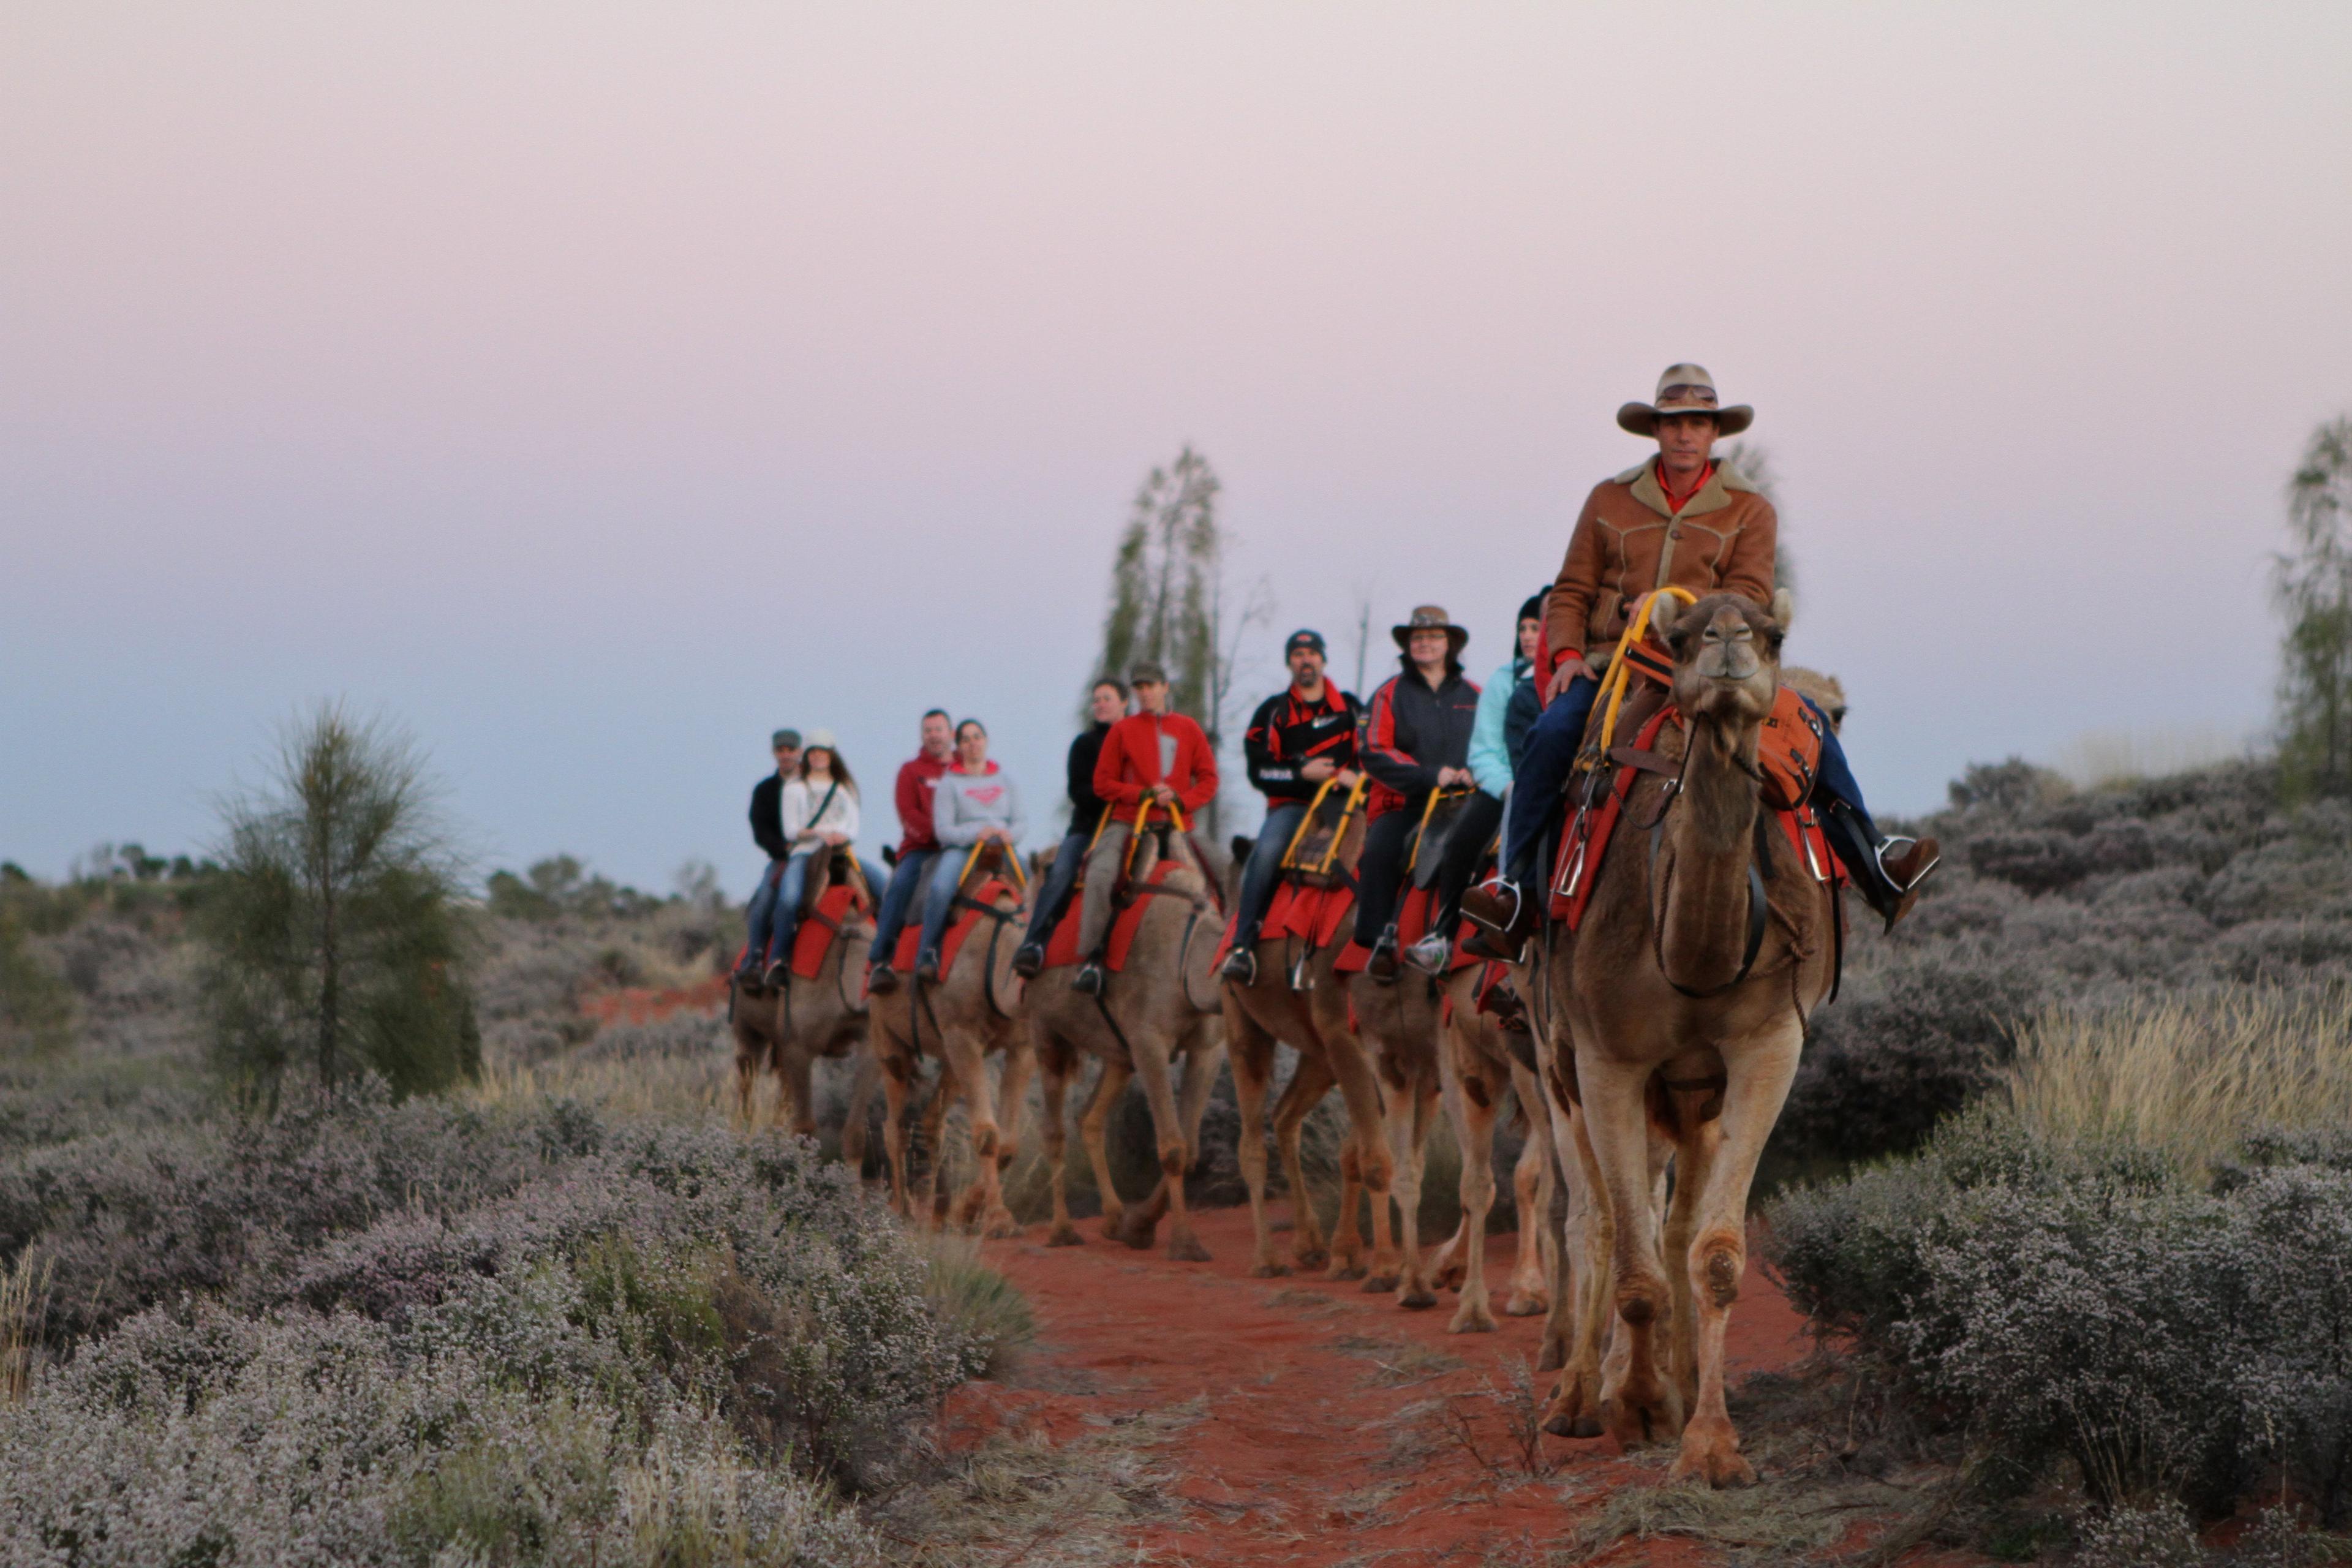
1063,949
1298,913
910,939
1413,924
818,930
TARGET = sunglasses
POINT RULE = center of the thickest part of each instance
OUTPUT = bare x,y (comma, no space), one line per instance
1685,393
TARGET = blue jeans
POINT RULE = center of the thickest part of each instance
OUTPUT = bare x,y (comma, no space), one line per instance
761,912
1551,752
1053,898
1265,866
792,887
938,899
905,882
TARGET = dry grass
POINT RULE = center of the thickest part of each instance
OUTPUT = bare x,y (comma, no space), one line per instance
689,1089
2099,758
2189,1076
23,1302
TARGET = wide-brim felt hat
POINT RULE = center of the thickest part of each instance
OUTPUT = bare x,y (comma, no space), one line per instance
1685,389
1430,618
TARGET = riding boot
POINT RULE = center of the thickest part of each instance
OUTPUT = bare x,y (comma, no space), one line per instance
1088,979
1506,917
1886,871
927,968
881,980
1241,964
1382,963
1029,960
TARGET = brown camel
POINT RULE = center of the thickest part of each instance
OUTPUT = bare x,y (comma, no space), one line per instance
1312,1018
1670,1024
1160,1006
806,1018
971,1013
1477,1060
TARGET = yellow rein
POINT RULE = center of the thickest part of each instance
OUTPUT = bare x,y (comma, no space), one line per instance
1621,673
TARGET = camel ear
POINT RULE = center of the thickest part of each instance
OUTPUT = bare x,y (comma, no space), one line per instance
1784,609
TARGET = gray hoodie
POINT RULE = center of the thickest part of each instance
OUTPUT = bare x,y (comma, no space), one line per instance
966,803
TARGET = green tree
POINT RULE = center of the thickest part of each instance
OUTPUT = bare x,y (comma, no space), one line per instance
2312,581
1170,602
332,930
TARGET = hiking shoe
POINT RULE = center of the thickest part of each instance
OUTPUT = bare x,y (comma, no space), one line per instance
1029,960
1088,979
774,975
1431,955
927,968
1241,966
881,980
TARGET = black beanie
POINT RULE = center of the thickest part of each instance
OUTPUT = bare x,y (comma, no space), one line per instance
1533,610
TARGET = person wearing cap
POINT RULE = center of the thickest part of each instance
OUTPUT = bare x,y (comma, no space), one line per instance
1150,756
1106,706
819,814
1494,742
768,833
1680,520
919,780
1298,738
1414,739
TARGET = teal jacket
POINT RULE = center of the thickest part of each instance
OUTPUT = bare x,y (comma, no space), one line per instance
1490,760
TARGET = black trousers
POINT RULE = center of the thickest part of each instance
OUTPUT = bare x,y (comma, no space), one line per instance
1466,845
1380,871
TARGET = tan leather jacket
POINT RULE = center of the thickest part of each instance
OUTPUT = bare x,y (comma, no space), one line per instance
1628,543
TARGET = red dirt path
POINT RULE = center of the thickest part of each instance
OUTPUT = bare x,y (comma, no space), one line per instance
1303,1456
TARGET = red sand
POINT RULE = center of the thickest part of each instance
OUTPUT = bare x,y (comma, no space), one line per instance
1301,1456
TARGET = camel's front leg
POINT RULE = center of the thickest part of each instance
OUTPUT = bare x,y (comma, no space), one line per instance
865,1079
1470,1099
796,1107
1637,1403
931,1192
1758,1073
1012,1093
1094,1130
1374,1169
1250,1050
897,1082
1168,1128
1417,1108
747,1085
1309,1083
1531,1184
1053,1065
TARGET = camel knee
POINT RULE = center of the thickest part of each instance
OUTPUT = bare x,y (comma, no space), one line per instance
1643,1300
983,1140
1172,1160
1718,1262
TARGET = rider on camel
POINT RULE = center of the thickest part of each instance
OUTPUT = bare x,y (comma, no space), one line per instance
1106,706
976,804
1683,520
818,808
1415,739
768,833
918,846
1152,756
1298,738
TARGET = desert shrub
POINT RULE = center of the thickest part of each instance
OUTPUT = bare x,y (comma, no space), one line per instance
36,1008
2084,1300
686,1033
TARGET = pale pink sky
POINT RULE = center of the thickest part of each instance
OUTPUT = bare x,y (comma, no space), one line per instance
594,387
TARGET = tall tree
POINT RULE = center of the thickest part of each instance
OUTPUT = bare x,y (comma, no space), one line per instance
334,932
1170,602
2312,581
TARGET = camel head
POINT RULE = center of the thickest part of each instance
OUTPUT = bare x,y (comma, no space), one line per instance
1727,659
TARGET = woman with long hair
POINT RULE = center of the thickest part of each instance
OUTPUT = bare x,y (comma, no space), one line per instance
820,810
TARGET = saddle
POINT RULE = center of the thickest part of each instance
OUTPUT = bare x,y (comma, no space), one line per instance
836,894
1062,949
990,874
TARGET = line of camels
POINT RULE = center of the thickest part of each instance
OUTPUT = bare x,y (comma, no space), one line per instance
1656,1045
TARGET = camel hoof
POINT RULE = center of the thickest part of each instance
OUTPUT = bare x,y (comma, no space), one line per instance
1110,1226
1451,1278
1527,1304
1187,1249
1566,1426
1416,1299
1137,1236
1552,1357
1066,1235
1717,1460
1346,1270
1309,1262
1270,1271
1000,1227
1467,1322
1379,1284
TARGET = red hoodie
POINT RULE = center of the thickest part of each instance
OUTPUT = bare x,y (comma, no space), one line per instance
1128,764
917,780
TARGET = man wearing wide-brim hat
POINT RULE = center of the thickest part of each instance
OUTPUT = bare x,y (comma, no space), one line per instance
1414,737
1681,520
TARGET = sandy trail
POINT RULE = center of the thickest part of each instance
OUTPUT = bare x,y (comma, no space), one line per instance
1330,1426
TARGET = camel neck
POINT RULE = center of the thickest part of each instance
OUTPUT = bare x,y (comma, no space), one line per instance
1707,849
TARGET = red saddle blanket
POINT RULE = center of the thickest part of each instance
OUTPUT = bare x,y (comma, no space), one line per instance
1063,948
1311,915
1586,842
821,926
1413,924
910,939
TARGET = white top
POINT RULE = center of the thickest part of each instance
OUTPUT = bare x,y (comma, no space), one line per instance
801,797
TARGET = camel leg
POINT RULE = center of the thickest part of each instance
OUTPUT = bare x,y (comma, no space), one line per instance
1416,1108
1637,1404
1531,1182
1374,1169
1309,1083
1760,1073
796,1101
1168,1127
980,1204
1347,1231
1695,1148
865,1079
930,1200
1020,1061
747,1083
1094,1128
1054,1063
1580,1320
896,1083
1250,1050
1471,1100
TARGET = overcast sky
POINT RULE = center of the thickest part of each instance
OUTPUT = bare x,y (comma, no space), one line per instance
593,387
